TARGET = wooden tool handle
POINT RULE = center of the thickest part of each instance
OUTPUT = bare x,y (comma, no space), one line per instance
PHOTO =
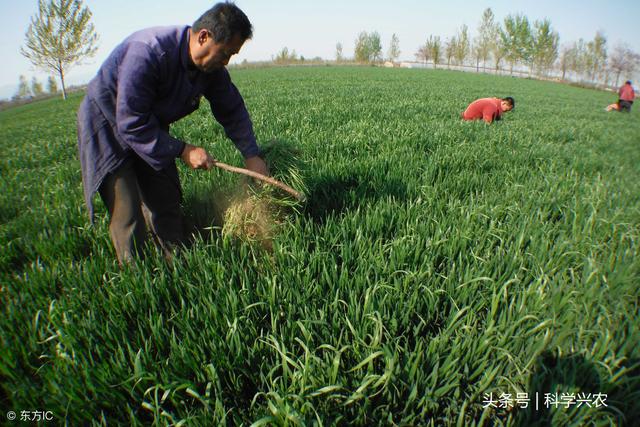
261,177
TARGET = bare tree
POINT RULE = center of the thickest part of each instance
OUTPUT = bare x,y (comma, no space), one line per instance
59,36
339,55
423,54
564,60
394,48
623,60
579,59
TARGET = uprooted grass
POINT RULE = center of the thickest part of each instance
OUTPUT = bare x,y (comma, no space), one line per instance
252,219
254,212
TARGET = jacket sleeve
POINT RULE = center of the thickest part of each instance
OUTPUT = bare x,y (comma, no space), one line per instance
229,110
138,80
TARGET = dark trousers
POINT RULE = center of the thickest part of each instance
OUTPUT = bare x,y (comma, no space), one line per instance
625,105
137,197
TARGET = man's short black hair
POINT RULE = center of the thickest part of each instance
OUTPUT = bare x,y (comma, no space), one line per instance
511,101
628,82
224,21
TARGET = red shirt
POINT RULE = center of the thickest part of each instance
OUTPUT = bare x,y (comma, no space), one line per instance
626,93
488,109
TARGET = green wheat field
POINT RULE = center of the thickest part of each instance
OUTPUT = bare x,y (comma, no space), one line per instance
440,272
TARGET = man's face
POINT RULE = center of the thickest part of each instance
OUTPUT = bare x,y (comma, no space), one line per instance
210,56
506,106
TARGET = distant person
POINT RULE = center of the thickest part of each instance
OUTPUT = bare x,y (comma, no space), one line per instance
626,95
153,78
488,109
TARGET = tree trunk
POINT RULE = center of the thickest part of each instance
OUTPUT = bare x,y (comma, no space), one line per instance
64,90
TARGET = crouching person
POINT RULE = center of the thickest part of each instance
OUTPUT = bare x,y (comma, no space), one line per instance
627,95
488,109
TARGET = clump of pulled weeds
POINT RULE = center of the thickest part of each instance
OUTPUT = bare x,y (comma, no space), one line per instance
256,211
251,219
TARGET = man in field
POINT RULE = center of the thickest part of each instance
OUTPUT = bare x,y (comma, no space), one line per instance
153,78
488,109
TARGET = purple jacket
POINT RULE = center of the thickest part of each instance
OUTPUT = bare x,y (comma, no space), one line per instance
147,83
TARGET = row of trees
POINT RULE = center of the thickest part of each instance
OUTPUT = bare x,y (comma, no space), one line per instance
286,56
591,60
533,48
516,44
61,35
368,48
35,88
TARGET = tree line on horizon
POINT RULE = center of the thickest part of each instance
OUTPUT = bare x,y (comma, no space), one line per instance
515,43
35,88
60,35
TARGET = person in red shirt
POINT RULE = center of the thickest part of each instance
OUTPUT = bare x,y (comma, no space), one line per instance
488,109
627,96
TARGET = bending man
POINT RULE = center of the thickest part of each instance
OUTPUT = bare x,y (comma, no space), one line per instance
153,78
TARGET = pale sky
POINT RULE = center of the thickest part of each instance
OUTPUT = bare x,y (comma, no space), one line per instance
313,28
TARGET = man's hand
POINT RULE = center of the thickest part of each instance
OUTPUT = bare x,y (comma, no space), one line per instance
196,157
256,164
